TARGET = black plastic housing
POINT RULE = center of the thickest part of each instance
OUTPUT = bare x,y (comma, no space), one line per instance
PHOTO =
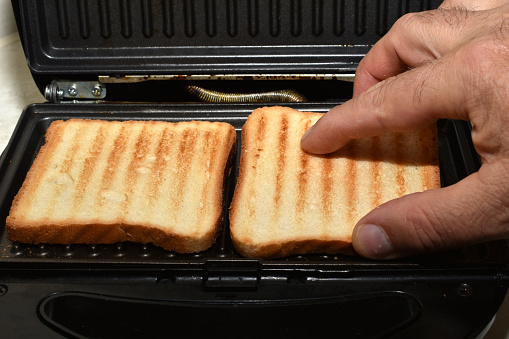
136,290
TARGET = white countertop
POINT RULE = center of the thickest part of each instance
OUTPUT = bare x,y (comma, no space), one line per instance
19,90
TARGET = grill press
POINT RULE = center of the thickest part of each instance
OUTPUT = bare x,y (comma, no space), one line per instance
125,60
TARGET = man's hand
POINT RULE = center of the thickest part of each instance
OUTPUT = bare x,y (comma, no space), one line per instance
448,63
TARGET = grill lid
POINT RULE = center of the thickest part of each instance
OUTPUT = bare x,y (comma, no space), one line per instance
182,37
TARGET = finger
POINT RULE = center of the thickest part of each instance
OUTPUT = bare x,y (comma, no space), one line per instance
408,101
466,213
414,39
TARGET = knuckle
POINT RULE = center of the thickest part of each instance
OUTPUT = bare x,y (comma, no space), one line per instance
454,17
413,19
478,61
378,99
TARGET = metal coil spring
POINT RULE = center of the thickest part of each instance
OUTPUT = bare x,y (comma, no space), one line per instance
206,95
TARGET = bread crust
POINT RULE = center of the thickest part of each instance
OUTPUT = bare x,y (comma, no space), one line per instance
306,187
150,159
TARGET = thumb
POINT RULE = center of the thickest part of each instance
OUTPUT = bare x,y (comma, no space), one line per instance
474,210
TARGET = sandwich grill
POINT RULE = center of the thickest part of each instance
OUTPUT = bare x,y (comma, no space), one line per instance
218,60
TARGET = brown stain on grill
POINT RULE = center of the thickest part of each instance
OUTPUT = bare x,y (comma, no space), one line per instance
88,167
119,147
281,159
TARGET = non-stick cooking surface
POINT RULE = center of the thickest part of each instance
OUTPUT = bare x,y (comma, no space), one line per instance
457,159
203,37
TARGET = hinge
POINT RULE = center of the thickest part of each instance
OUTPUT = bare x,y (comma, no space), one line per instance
195,77
243,275
62,91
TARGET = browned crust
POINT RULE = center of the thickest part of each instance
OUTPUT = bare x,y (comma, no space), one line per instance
111,233
294,247
70,232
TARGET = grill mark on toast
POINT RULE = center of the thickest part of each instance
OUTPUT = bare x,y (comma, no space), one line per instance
375,171
428,173
400,168
257,146
71,152
89,166
64,170
162,150
351,183
327,184
211,142
303,175
184,159
119,147
141,148
45,156
281,160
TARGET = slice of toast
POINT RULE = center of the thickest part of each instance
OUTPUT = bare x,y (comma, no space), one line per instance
290,202
97,181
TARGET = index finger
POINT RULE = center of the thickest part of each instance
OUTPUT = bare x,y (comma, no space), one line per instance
398,104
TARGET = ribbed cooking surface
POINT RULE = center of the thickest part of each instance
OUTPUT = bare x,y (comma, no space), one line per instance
190,18
456,159
108,37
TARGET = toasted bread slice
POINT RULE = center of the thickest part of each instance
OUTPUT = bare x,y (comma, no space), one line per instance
290,202
97,181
